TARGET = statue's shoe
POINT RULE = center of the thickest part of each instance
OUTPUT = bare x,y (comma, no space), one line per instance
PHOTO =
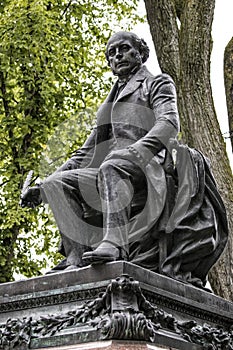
64,266
68,268
102,254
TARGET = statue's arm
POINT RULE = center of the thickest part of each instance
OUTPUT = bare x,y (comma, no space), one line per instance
83,156
164,104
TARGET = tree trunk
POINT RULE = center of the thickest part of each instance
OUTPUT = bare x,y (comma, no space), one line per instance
181,31
228,78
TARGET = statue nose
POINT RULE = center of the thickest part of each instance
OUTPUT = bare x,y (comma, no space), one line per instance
119,55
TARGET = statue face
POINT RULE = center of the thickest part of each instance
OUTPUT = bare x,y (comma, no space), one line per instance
123,56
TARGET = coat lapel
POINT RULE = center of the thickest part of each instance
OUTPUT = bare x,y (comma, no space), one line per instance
112,93
105,110
134,83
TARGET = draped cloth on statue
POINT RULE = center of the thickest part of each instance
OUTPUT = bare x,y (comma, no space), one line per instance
196,229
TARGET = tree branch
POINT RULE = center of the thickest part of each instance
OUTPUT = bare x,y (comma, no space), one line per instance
3,91
228,80
66,9
4,182
163,24
195,38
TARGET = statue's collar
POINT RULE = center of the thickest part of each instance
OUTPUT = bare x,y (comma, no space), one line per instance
123,81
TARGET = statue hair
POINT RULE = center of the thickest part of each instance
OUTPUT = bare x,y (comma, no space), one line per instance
140,44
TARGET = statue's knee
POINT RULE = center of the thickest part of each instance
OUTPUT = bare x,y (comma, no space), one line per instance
108,165
51,181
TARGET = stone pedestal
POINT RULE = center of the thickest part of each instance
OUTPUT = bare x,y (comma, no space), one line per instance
112,306
113,345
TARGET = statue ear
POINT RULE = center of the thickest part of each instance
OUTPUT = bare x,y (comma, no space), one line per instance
143,57
144,51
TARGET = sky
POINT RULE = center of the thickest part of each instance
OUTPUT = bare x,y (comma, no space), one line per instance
222,32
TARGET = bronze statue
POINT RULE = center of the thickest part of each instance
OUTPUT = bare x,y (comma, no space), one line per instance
132,192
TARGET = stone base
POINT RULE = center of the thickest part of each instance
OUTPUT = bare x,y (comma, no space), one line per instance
112,345
95,308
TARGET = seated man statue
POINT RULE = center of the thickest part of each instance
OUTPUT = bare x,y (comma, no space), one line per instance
131,186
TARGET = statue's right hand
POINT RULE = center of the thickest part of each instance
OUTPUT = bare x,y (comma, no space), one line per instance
31,198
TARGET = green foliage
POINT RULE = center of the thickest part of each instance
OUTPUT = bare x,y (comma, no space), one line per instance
52,68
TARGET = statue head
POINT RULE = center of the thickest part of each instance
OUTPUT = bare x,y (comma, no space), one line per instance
125,53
